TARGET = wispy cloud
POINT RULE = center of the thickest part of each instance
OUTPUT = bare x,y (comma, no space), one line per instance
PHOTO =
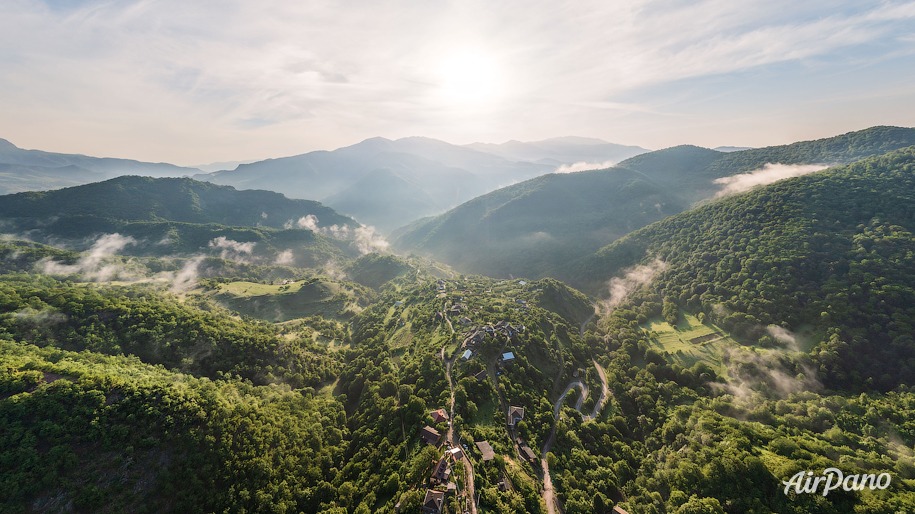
584,166
619,288
768,174
257,75
233,250
364,237
96,264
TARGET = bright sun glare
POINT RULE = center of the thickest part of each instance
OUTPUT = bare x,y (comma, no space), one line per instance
469,78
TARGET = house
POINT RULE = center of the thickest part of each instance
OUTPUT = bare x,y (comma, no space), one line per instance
430,435
619,510
398,303
456,453
442,471
432,504
466,355
439,416
481,375
486,450
527,453
507,357
515,414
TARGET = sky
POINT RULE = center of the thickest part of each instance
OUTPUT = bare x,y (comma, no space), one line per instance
205,81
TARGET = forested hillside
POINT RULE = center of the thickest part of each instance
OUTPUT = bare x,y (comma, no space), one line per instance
832,250
140,199
722,351
83,432
536,227
180,216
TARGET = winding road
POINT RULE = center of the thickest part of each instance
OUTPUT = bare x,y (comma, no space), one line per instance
549,495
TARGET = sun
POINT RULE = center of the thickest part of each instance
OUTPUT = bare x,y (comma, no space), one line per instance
469,78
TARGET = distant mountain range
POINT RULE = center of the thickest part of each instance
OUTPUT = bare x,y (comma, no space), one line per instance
534,228
32,170
384,183
389,184
561,150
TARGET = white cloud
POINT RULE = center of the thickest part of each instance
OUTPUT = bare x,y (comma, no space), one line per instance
584,166
768,174
310,222
619,288
340,72
185,278
285,257
368,240
96,264
233,250
365,237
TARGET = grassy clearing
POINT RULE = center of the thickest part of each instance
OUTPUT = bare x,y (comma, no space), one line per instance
328,390
691,341
278,302
242,289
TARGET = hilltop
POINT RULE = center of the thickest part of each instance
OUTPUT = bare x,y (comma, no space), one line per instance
164,216
536,227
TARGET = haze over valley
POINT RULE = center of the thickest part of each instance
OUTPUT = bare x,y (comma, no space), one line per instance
619,258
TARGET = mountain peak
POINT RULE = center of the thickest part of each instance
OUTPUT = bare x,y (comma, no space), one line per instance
6,145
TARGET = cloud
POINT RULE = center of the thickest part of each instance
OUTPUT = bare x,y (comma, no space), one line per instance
96,264
185,278
768,174
752,374
584,166
633,278
42,318
784,336
310,222
277,69
233,250
285,258
365,237
368,240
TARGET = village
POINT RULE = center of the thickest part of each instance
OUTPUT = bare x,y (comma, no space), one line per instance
497,343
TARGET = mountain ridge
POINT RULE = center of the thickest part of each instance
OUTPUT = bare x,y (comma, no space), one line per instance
605,204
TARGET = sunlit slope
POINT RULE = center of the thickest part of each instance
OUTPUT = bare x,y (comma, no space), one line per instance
536,227
834,250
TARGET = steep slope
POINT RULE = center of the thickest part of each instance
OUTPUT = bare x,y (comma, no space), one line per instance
384,199
30,170
831,252
85,432
536,227
370,175
528,228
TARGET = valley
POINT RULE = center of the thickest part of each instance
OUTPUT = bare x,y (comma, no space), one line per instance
176,345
